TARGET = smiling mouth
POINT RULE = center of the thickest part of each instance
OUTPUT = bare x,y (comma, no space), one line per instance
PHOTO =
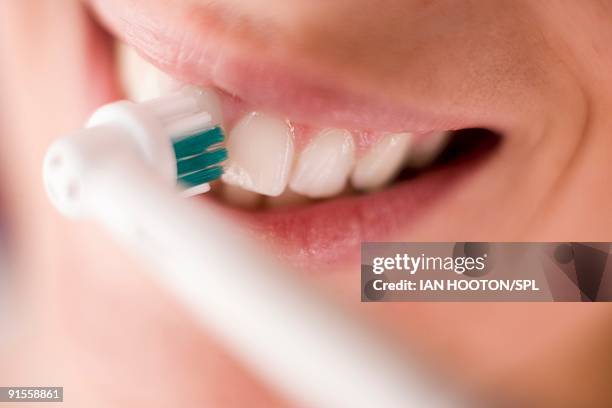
312,169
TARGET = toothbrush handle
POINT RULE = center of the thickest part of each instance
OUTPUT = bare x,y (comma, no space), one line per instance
278,326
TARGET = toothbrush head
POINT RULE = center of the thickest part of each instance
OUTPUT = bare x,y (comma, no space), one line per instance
177,136
199,157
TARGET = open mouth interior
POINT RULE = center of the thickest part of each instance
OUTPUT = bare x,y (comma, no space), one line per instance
276,163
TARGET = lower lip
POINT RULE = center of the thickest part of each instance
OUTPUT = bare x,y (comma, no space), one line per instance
319,236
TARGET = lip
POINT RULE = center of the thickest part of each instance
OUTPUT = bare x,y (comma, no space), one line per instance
323,233
193,48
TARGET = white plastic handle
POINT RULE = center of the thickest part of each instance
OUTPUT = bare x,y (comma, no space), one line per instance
276,324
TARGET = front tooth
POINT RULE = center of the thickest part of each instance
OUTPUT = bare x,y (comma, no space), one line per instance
207,101
427,150
382,162
260,151
325,164
140,79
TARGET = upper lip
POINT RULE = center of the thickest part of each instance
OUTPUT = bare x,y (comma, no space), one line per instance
194,50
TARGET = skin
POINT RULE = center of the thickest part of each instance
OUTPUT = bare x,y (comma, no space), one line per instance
540,69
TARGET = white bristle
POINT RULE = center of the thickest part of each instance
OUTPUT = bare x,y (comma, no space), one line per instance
197,190
173,106
189,125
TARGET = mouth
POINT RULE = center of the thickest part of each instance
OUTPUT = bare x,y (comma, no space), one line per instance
314,168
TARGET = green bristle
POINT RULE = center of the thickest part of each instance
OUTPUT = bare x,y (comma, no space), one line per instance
201,177
197,143
198,158
202,161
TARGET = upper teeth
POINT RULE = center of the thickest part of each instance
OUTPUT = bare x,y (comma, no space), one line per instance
325,164
382,162
141,80
263,157
260,154
428,150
